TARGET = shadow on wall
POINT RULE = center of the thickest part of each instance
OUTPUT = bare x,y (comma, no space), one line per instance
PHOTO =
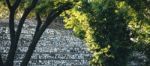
57,46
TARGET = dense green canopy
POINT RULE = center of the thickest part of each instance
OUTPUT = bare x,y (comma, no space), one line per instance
112,29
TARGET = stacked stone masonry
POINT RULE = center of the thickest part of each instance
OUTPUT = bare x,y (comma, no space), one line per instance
57,46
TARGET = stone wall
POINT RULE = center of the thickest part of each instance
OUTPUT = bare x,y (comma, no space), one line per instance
57,46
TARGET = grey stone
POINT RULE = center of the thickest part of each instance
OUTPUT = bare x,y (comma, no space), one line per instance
57,46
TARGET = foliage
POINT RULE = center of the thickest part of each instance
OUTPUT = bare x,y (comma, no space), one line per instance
3,9
112,29
108,27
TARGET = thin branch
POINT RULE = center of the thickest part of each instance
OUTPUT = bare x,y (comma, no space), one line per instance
57,12
39,22
8,4
16,4
37,36
22,20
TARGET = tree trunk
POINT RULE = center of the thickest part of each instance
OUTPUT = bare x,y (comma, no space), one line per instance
16,34
13,47
53,14
1,61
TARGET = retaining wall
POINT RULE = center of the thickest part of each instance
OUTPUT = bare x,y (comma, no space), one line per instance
57,46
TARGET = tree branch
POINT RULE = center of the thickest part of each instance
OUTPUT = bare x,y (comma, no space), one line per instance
39,22
8,4
57,12
10,57
15,35
11,53
16,4
50,18
22,20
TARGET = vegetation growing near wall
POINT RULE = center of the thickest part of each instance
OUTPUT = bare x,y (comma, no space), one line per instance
112,29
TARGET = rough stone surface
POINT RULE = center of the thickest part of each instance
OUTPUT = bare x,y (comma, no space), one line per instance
57,46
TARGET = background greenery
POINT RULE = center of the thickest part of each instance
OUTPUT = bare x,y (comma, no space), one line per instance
112,29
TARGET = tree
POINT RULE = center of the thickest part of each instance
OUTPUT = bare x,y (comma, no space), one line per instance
1,62
112,29
108,26
41,26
